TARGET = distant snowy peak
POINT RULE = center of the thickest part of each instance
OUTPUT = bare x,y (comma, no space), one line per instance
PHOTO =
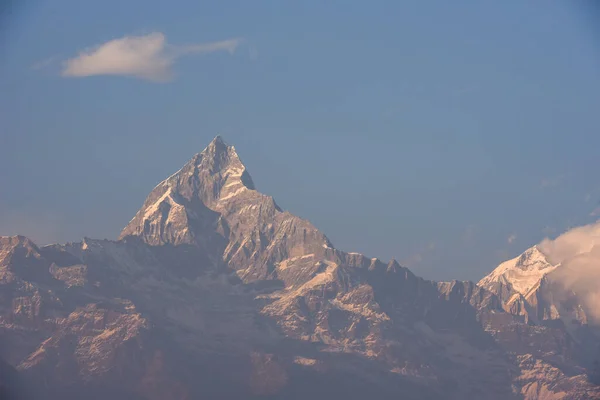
522,274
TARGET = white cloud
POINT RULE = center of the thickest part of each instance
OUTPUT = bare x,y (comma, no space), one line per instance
574,242
511,238
148,57
578,251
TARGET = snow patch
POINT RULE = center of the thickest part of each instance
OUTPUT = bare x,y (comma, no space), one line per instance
234,193
154,207
285,263
522,273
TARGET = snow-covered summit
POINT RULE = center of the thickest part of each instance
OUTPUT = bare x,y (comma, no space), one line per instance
522,273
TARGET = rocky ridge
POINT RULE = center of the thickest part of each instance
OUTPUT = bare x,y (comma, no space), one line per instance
214,291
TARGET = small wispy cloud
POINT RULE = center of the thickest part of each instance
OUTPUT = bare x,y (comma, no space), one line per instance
552,181
578,252
511,238
148,57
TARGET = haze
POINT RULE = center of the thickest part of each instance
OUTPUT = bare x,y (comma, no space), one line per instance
449,139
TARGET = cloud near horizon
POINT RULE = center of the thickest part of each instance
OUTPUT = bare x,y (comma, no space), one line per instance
148,57
578,251
511,238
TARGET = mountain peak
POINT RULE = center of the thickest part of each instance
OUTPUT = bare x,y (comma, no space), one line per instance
207,183
393,266
522,273
217,140
221,161
16,241
218,143
216,146
212,203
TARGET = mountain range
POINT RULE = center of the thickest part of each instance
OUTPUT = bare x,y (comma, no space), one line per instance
212,291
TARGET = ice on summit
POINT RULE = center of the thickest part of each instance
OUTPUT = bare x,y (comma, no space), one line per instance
522,273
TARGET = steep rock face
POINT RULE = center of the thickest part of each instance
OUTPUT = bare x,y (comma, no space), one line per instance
521,274
213,291
518,282
555,338
212,203
530,286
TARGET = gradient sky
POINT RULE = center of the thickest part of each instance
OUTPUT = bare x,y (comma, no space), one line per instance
449,135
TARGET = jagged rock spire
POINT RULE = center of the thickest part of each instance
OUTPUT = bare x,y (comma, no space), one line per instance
212,203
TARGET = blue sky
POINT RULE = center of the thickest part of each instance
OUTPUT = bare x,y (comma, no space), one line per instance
449,135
